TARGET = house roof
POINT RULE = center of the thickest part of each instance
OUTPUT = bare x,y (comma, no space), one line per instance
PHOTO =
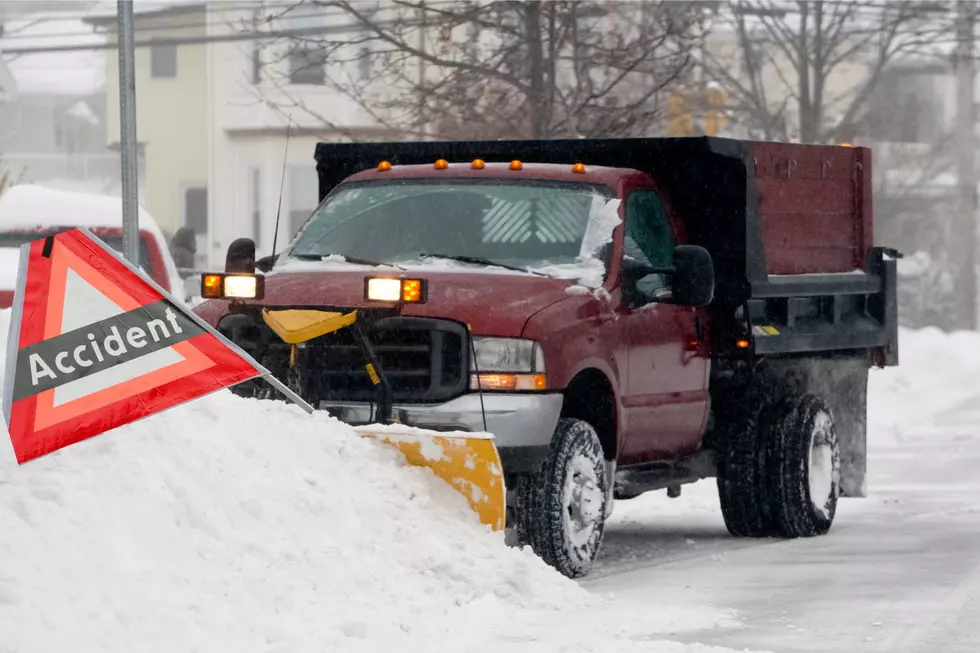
148,9
52,73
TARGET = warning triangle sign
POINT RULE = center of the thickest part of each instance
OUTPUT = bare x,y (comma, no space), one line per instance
95,344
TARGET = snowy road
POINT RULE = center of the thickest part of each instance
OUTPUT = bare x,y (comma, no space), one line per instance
900,570
196,530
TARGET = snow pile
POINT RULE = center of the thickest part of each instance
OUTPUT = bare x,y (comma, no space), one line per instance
933,388
229,524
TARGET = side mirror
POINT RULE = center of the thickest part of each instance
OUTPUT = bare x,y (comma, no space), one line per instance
693,282
241,256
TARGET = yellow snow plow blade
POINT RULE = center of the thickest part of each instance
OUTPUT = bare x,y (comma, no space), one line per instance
467,461
296,326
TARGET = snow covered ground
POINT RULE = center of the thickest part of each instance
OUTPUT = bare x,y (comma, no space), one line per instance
899,571
234,525
227,524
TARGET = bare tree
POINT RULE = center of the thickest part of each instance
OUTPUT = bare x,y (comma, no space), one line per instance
806,70
479,69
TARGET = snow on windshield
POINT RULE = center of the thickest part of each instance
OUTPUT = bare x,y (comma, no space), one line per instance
560,231
590,269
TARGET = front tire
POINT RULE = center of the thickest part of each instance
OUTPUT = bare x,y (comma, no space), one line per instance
562,508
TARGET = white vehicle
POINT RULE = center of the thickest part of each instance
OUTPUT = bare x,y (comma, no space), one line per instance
29,212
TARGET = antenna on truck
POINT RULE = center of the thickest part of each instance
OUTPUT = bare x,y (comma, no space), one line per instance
282,182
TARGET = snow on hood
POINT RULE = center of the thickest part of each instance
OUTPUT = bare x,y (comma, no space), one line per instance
229,524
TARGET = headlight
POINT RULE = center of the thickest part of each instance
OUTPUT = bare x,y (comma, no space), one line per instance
232,286
507,364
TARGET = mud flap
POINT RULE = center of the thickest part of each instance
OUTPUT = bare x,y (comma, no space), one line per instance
469,462
850,405
843,385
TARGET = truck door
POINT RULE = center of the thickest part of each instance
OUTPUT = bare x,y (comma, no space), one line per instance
666,396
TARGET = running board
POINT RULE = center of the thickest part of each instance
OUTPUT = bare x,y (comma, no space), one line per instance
647,477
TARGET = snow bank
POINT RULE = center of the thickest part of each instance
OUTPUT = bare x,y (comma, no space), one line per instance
934,387
236,525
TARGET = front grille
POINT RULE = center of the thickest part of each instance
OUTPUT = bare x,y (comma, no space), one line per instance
423,359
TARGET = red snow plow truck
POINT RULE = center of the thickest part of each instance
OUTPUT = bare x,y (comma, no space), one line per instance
622,316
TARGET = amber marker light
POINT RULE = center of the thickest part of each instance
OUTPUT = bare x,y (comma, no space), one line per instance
232,286
579,168
441,164
516,165
478,164
406,291
742,344
508,382
211,286
384,166
411,291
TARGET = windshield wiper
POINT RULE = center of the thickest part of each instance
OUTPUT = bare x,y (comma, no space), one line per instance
347,259
479,260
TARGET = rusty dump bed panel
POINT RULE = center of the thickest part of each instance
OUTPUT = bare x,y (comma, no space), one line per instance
814,207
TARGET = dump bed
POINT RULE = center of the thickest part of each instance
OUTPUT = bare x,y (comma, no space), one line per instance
814,205
789,226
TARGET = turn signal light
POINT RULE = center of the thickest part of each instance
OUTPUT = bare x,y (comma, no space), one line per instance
408,291
742,344
384,166
441,164
516,165
508,382
232,286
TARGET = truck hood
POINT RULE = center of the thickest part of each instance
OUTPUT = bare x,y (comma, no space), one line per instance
492,302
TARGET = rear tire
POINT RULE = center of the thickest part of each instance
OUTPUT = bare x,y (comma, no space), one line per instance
804,467
562,509
741,479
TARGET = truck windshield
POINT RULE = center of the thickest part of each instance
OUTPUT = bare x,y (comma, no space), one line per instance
522,224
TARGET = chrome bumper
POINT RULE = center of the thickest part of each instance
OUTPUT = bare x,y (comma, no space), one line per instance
515,420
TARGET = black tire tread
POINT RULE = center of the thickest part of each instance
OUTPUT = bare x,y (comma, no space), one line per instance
540,519
789,443
741,474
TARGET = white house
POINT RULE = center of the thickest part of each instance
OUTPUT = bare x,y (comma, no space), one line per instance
247,146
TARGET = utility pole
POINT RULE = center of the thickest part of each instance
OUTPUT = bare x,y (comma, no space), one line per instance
127,131
965,242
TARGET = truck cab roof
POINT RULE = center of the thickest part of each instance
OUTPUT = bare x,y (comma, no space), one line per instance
597,175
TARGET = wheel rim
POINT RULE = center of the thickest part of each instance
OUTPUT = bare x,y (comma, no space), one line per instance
823,468
582,502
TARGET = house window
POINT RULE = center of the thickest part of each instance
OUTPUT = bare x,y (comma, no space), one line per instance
196,209
303,196
364,63
256,64
255,203
306,65
163,60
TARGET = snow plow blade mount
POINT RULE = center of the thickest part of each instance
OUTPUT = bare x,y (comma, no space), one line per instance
468,462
